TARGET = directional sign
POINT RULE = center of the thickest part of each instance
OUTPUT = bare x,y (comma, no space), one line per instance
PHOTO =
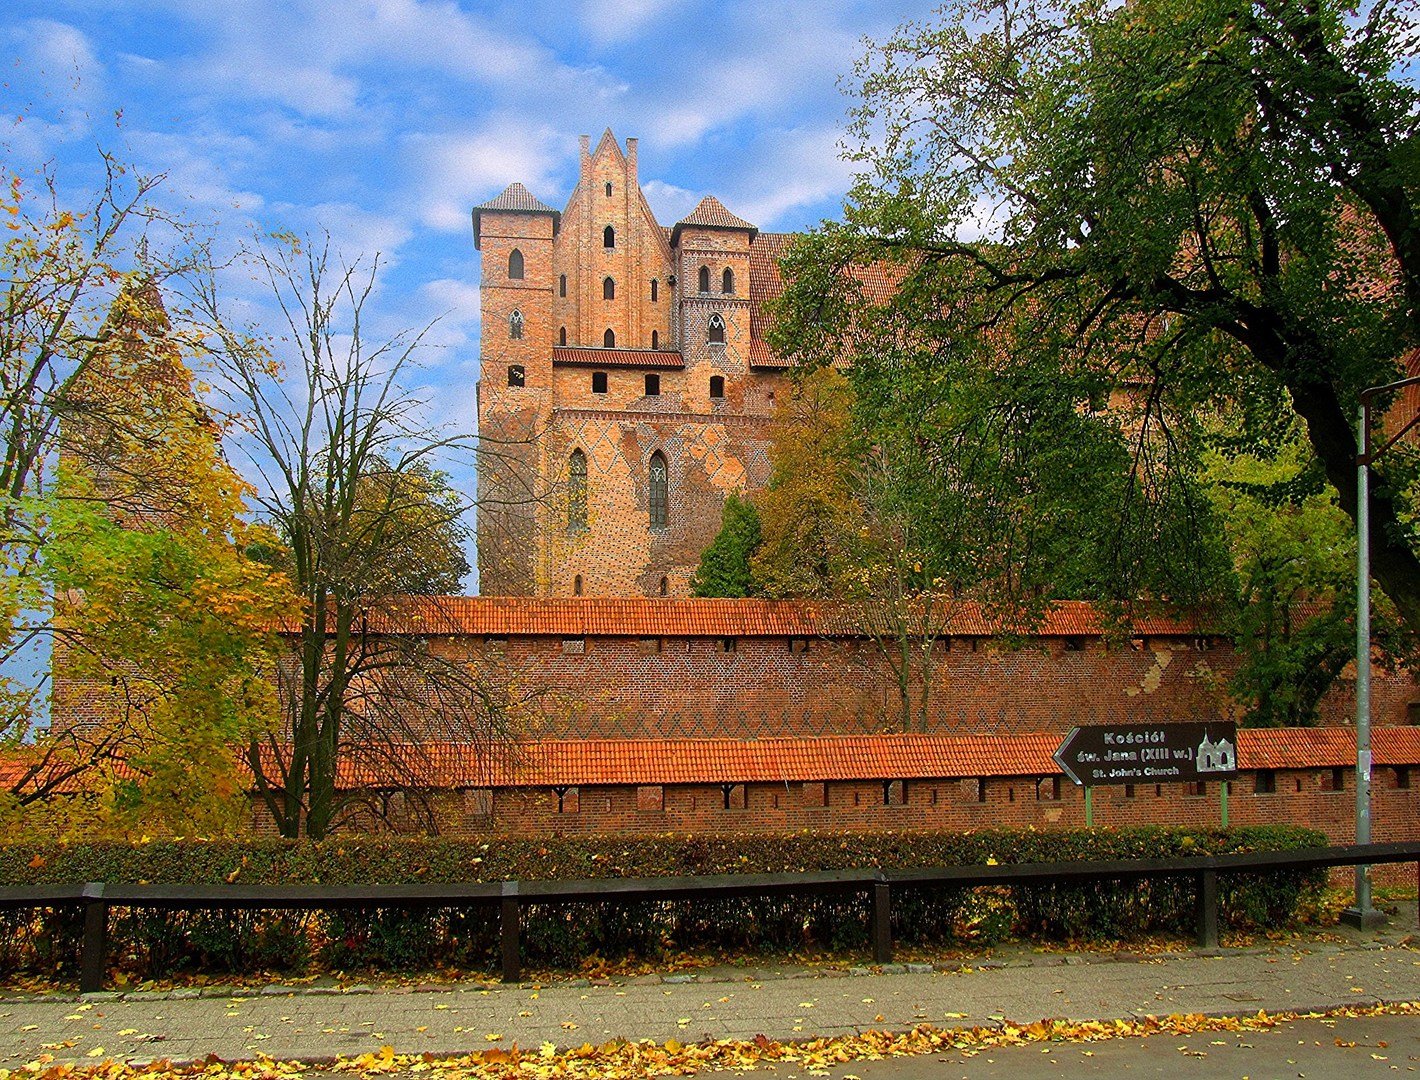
1149,753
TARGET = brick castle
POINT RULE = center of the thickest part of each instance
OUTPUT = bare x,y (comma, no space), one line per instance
626,387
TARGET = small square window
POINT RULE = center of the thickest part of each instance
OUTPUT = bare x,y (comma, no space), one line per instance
1402,777
798,644
1047,789
1129,791
648,646
574,646
1196,788
725,645
1334,780
1266,782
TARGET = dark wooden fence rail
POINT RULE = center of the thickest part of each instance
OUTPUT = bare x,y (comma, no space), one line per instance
507,898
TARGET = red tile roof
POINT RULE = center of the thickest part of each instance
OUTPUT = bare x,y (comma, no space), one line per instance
1320,748
578,356
642,617
514,199
858,757
519,199
711,214
613,762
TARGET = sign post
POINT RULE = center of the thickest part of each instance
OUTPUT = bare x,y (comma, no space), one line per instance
1163,753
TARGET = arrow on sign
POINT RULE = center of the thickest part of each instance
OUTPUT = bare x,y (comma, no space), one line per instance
1061,757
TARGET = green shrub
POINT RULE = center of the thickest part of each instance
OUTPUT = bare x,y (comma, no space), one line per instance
153,942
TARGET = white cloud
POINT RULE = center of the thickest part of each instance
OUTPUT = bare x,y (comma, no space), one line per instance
310,55
607,23
800,168
60,54
201,169
456,306
453,171
668,202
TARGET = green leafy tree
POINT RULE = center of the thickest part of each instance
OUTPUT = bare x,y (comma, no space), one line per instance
1294,557
164,631
65,258
807,514
725,565
1197,208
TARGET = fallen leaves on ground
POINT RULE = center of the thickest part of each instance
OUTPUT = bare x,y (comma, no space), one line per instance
624,1059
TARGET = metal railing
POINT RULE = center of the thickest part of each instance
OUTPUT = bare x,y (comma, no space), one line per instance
508,898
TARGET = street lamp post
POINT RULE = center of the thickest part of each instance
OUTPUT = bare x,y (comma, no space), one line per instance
1362,914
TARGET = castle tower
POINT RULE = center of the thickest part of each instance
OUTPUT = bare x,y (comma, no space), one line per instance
515,233
619,401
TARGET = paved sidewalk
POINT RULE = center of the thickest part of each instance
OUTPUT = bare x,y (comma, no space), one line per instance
780,1003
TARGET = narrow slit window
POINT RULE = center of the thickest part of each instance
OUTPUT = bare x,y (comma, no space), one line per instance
655,290
577,585
655,340
716,329
608,189
562,336
659,508
515,265
665,586
562,286
577,495
515,325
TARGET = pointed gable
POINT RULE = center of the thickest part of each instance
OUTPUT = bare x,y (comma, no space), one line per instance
712,214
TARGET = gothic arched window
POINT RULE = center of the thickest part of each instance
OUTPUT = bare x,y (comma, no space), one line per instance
562,336
655,290
577,492
608,289
515,265
562,285
717,329
608,237
515,325
717,386
705,279
655,339
727,281
609,339
659,504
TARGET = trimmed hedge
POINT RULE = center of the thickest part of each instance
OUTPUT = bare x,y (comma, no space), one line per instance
151,942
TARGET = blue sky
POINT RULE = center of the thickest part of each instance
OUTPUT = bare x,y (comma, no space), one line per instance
384,121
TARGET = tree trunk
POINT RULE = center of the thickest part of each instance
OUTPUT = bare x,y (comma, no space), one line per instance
1393,564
